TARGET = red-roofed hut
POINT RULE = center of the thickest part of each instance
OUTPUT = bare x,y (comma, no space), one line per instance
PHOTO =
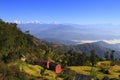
49,65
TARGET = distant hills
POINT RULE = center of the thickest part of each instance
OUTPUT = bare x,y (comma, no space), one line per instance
100,50
111,46
28,43
80,31
64,33
87,36
86,48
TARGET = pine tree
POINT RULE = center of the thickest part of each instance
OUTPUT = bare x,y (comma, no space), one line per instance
112,55
93,57
107,55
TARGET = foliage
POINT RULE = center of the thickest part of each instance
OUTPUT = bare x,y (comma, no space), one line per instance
93,73
13,44
11,73
105,67
72,58
37,71
93,57
86,70
112,55
67,74
107,57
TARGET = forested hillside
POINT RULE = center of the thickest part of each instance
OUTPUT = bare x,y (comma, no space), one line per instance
14,44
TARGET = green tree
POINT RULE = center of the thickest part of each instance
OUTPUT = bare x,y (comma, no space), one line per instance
112,55
107,55
93,57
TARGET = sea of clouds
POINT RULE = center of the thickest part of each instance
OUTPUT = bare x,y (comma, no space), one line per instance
112,41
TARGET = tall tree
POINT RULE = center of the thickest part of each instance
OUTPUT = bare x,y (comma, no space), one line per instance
93,57
107,55
112,55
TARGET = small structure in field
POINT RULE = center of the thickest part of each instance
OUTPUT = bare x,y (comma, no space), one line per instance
55,67
23,58
49,65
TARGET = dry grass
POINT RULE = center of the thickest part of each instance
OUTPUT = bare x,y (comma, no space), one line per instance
86,70
35,70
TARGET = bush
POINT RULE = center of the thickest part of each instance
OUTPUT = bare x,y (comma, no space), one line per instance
67,74
105,71
112,63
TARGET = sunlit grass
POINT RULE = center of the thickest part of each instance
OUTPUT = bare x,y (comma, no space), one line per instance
35,70
86,70
100,62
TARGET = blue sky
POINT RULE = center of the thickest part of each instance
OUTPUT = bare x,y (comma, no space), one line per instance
62,11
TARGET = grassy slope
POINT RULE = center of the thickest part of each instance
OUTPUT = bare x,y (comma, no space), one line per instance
34,70
85,70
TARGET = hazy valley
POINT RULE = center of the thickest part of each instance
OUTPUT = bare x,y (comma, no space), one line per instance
101,37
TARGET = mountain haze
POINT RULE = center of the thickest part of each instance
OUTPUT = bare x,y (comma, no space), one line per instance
107,45
72,32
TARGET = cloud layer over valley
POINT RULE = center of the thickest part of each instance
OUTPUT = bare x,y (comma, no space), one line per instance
112,41
73,32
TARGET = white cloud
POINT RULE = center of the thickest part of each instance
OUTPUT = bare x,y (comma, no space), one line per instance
17,21
35,22
113,41
84,41
26,22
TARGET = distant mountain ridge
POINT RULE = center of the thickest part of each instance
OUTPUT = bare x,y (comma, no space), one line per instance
100,50
86,48
71,32
67,33
111,46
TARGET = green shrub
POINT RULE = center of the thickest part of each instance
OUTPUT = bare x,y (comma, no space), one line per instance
67,74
